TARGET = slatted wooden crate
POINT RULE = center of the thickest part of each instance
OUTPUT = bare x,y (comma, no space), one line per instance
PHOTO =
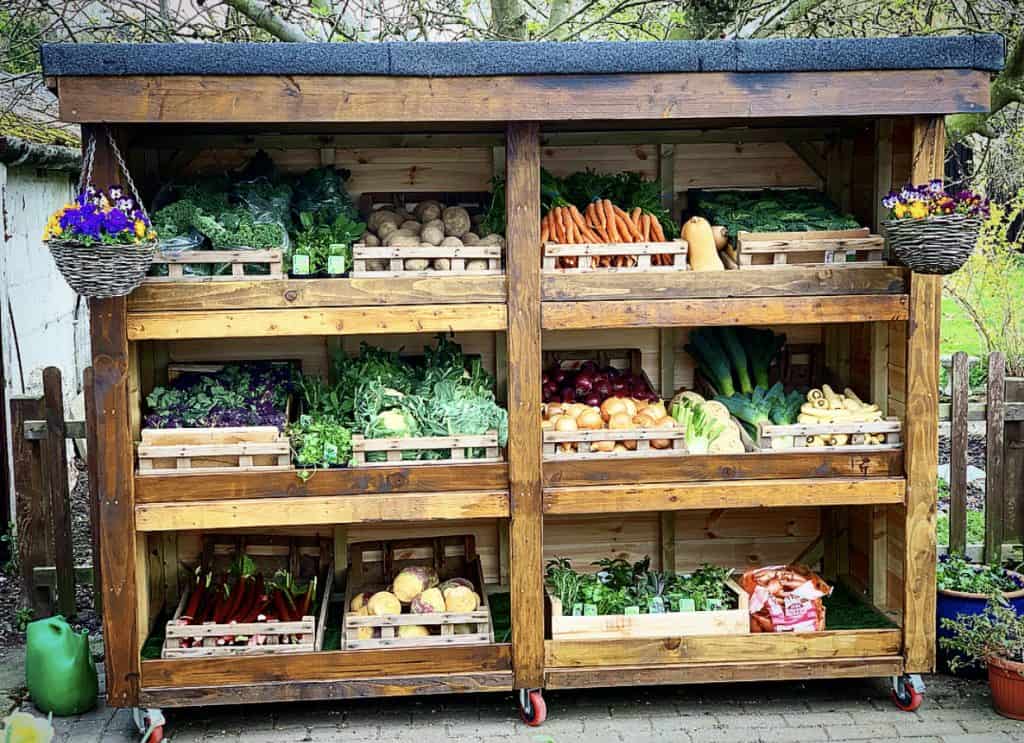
558,445
394,448
639,254
801,435
194,451
302,556
238,260
397,256
374,565
670,624
830,247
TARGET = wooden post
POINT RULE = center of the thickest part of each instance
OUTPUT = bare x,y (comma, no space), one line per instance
526,533
1013,462
959,382
114,473
88,388
30,508
995,418
883,169
922,429
55,484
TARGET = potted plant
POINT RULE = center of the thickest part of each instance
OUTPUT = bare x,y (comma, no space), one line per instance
930,230
995,637
103,243
964,589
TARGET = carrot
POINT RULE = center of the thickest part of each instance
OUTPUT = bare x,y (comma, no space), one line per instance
601,234
634,216
609,216
625,229
599,214
577,217
656,232
570,226
624,217
545,230
645,227
556,226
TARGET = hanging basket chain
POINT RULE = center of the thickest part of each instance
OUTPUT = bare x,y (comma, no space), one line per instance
89,158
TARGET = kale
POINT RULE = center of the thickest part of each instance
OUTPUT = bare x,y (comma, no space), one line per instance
321,192
772,211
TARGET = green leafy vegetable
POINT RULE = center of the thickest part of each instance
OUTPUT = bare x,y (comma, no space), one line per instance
771,211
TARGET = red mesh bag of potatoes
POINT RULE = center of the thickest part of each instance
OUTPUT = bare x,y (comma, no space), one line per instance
785,598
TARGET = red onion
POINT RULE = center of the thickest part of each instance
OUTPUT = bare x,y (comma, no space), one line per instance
592,400
568,394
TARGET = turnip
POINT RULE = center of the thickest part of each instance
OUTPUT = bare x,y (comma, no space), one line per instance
407,631
412,581
430,601
384,603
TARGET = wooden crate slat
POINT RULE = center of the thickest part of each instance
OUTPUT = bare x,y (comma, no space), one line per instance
890,428
236,260
397,255
641,252
811,248
394,447
553,451
423,251
172,451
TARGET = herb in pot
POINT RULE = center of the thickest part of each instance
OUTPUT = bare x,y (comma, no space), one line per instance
320,442
996,633
954,573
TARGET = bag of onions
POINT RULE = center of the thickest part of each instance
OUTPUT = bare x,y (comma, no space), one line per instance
785,598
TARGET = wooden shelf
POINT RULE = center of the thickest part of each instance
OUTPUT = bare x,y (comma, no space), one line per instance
735,494
271,294
788,281
662,313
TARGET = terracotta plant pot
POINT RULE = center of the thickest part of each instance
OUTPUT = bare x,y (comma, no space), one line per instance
1006,679
952,604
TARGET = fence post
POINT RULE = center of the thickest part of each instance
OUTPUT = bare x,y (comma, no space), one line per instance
959,383
994,422
31,510
1013,462
94,497
55,480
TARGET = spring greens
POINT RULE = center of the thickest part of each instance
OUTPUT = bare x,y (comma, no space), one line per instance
772,211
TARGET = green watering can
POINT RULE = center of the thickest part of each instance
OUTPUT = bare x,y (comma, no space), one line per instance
59,671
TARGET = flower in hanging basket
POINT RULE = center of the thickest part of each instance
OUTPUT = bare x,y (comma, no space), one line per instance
97,218
931,200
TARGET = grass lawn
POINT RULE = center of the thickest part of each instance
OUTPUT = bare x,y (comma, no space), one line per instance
975,528
958,334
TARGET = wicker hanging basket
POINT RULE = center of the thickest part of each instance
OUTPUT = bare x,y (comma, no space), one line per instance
934,245
99,270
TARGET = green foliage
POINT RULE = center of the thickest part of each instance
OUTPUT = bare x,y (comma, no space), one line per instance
954,573
996,633
22,617
319,442
772,211
975,527
988,287
320,240
10,539
20,33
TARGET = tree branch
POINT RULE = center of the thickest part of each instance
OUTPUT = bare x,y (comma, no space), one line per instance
1007,88
265,18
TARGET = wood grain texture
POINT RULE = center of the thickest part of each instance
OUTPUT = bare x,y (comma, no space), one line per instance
31,506
723,649
305,510
735,494
369,99
91,448
325,483
787,281
731,311
958,441
726,468
995,475
170,325
522,168
731,672
309,691
55,484
326,666
285,293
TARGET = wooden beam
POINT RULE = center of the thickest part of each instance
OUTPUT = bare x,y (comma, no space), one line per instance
91,463
306,511
728,494
36,430
526,540
811,157
309,293
688,313
442,318
55,483
31,507
921,430
883,168
551,98
729,672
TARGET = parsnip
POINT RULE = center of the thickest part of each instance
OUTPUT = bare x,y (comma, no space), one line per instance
834,401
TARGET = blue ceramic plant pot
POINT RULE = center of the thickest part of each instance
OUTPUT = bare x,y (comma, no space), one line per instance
951,604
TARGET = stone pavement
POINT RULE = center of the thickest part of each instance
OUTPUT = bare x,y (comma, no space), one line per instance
774,712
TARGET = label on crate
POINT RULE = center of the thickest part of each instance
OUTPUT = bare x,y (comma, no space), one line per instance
631,611
305,421
687,605
330,453
830,256
656,606
714,605
300,264
335,264
590,610
577,610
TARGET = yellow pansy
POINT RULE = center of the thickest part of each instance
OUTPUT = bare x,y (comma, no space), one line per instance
918,210
140,228
900,210
21,727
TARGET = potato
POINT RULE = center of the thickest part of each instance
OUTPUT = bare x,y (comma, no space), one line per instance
432,235
379,217
470,238
465,629
428,210
476,264
456,221
401,237
416,264
492,239
406,215
442,264
434,223
412,225
452,242
369,239
376,264
385,229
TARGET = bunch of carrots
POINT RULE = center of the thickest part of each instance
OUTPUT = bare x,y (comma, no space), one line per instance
248,600
602,222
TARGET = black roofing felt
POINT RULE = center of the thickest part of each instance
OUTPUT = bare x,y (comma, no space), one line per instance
469,59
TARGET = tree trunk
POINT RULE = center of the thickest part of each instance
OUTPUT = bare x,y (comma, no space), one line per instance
508,20
264,17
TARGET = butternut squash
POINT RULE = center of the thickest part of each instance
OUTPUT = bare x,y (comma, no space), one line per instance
701,245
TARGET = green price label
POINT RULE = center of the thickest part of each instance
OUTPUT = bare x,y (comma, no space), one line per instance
330,453
335,264
687,605
631,611
577,610
300,264
590,610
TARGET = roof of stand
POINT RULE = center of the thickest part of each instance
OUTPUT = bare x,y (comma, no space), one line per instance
476,59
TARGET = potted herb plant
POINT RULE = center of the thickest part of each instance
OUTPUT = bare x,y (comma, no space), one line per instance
324,249
932,231
964,589
996,638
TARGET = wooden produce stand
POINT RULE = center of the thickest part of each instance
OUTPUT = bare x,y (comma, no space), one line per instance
867,517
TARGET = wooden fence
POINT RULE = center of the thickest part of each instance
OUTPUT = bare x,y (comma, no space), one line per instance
1002,413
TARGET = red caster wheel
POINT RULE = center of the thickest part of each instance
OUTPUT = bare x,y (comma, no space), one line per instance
150,724
156,735
907,692
532,709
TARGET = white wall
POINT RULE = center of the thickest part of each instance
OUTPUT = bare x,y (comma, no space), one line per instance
42,320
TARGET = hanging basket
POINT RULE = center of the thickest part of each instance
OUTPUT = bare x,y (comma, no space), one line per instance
934,245
100,271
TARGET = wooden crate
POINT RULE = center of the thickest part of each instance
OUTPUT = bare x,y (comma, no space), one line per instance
194,451
641,252
303,556
830,247
361,446
372,567
769,435
670,624
237,259
553,451
396,257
